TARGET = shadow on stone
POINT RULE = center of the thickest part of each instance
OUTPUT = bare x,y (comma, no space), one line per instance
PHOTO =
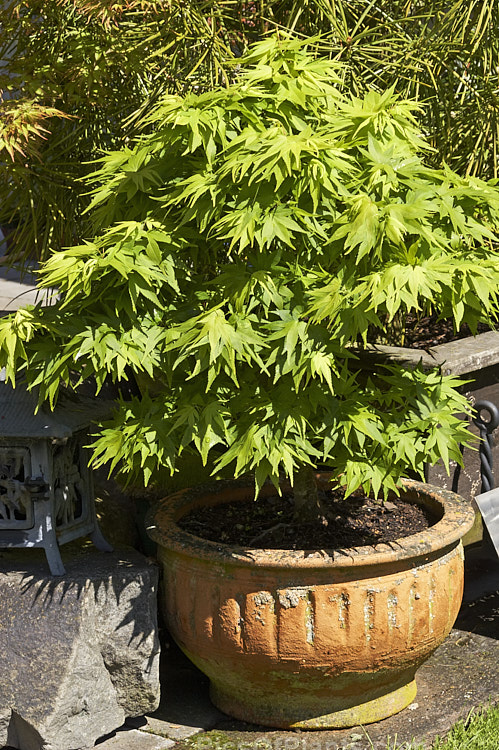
79,653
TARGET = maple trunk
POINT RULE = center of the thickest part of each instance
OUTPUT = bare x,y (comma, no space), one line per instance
307,505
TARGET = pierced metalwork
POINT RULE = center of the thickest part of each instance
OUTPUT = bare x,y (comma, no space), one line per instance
486,428
16,508
46,488
68,484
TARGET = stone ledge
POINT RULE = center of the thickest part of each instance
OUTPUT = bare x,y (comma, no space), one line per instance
455,358
467,355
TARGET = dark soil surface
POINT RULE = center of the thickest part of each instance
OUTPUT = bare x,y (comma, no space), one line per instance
428,332
268,523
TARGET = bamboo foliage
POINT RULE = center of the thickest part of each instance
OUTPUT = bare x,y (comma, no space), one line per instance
103,65
95,69
444,54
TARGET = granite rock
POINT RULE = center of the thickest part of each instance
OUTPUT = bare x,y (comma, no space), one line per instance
79,653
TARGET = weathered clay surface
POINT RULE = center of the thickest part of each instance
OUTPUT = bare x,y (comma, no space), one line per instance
293,638
460,677
78,654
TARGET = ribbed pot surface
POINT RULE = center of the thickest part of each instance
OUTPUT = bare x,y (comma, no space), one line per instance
301,639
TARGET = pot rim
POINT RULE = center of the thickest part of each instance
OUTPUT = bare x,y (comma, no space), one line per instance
457,518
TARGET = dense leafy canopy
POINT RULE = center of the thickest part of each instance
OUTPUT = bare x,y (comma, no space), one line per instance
244,252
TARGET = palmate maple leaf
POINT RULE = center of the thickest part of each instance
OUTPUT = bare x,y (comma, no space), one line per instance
21,126
237,283
110,12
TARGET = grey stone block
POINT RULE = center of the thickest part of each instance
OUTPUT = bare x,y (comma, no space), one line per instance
78,654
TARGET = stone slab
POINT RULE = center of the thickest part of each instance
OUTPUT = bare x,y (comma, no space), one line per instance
133,739
185,707
375,354
480,351
454,358
79,653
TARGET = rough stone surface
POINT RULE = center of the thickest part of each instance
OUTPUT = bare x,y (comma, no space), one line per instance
79,653
477,353
132,739
185,707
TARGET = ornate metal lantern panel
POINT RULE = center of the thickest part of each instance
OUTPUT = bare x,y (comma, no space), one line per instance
46,488
16,508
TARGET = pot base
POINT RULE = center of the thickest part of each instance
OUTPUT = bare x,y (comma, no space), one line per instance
296,640
274,710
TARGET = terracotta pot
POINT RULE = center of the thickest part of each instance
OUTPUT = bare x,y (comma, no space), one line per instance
301,639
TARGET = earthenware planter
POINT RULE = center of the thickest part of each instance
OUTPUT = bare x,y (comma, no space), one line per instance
303,639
